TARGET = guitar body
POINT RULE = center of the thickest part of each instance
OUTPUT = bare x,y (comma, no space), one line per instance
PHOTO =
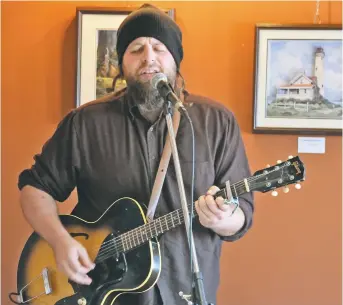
133,271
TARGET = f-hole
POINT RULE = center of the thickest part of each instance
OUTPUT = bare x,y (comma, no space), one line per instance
79,234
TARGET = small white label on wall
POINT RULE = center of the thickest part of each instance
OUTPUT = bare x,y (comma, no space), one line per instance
311,145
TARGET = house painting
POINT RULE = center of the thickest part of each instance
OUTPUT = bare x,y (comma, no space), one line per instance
303,87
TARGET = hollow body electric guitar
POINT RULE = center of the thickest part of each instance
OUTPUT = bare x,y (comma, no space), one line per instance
123,246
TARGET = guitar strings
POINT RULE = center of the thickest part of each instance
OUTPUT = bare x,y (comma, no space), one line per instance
129,237
115,248
118,248
170,220
107,250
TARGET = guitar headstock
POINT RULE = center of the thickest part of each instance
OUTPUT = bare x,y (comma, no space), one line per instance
282,174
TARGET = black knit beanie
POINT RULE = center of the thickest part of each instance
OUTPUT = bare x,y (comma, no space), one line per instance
149,21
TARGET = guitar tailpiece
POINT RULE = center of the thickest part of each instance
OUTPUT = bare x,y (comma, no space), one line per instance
46,289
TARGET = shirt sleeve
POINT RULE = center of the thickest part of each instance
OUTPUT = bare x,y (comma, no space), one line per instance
232,165
56,167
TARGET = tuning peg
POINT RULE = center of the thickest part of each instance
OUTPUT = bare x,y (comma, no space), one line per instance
286,189
274,193
278,161
290,157
298,186
268,165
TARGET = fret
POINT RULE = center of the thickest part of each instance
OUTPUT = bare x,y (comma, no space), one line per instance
132,240
125,246
146,234
123,242
133,237
234,188
221,193
135,231
154,222
139,234
128,237
149,226
114,247
224,193
172,221
246,184
166,222
160,219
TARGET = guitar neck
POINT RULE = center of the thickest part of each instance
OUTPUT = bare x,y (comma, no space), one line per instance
160,225
264,180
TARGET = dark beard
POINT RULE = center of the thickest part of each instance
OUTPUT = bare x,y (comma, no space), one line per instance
146,97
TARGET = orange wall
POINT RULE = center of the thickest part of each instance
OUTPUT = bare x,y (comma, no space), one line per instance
293,253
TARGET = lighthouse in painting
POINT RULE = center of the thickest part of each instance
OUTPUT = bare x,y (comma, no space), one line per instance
304,87
319,69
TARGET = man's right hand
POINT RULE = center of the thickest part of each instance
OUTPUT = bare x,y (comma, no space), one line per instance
72,259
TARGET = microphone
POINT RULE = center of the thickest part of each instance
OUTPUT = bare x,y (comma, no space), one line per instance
160,82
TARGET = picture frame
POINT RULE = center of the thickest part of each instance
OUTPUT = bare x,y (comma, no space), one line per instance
97,63
298,79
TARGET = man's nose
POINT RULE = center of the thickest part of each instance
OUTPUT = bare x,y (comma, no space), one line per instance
149,55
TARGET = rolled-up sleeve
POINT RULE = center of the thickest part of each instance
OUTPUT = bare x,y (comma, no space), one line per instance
56,167
232,165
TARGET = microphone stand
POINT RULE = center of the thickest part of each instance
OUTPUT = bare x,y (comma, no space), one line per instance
199,294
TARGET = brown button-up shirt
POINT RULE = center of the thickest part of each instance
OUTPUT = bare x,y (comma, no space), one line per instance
109,151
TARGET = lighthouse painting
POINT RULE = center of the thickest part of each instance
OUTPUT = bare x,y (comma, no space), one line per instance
305,79
298,79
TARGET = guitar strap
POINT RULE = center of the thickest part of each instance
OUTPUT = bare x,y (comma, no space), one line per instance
162,169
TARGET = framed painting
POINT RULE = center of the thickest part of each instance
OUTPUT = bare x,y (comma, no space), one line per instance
298,79
97,61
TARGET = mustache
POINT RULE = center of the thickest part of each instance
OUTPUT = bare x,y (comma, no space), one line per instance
149,67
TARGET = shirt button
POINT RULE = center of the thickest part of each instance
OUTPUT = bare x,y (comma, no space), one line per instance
151,129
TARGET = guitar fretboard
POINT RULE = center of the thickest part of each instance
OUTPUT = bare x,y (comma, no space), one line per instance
140,235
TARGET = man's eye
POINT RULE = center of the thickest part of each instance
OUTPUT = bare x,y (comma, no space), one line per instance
136,49
160,49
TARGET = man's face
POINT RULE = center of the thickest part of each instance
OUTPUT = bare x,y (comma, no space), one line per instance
143,58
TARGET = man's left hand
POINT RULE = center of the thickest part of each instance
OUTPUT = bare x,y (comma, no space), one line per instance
212,212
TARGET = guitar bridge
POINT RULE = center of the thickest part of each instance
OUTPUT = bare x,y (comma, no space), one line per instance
47,289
